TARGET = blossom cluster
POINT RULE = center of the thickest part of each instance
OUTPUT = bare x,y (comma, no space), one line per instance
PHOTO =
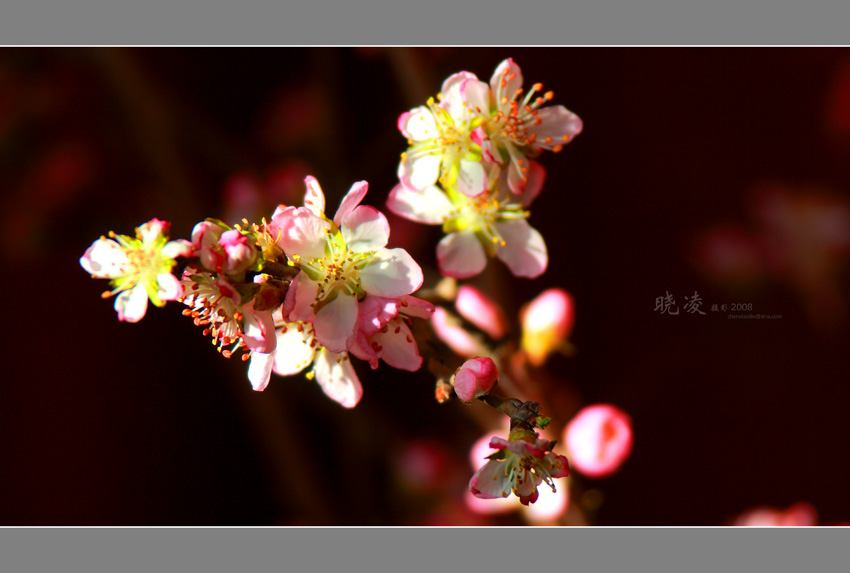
304,292
470,168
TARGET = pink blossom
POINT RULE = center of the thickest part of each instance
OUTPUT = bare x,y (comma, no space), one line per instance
341,261
523,129
450,331
445,144
382,331
139,267
216,304
546,323
223,250
482,311
492,224
798,515
521,463
297,348
475,378
599,440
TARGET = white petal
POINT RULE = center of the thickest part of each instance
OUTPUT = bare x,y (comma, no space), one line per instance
420,171
132,304
452,95
418,124
391,272
477,95
350,201
430,205
293,352
460,255
472,180
105,259
301,233
169,287
365,229
314,199
178,248
337,378
557,122
510,73
525,251
260,370
489,481
334,322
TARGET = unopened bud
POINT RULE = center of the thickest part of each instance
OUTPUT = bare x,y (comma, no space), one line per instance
475,378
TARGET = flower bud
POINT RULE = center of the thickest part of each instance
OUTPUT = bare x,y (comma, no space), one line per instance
239,252
476,377
546,322
598,440
481,311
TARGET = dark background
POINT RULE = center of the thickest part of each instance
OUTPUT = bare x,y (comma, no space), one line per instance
106,423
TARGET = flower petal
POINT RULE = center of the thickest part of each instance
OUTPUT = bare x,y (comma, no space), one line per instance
399,347
334,322
457,338
418,124
460,255
556,122
536,177
132,304
452,95
298,304
430,205
260,370
105,259
350,201
476,94
472,179
337,378
301,232
169,287
314,199
391,272
489,482
365,229
506,80
178,248
258,332
419,171
293,352
525,251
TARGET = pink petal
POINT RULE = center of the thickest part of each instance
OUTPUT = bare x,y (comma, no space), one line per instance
178,248
293,352
509,73
476,377
599,440
391,272
258,331
153,230
517,179
536,177
105,259
460,255
334,322
351,200
337,378
298,304
314,199
452,97
482,311
418,124
418,172
301,233
399,347
524,252
260,370
429,205
416,307
132,304
365,229
558,123
455,337
472,179
489,482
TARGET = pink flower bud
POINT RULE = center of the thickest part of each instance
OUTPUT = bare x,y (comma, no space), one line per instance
238,250
546,322
481,311
598,440
205,238
475,378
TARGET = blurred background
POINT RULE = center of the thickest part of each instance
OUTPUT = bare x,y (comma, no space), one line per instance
722,173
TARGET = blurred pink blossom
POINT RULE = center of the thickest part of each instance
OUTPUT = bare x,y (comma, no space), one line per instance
482,311
546,323
798,515
599,440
